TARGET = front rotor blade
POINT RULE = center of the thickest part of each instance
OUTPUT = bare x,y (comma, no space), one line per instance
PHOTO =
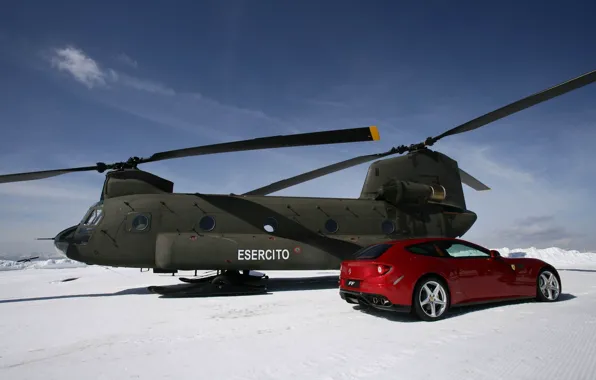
522,104
282,141
30,176
296,180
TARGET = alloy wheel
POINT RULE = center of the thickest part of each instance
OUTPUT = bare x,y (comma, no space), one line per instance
433,299
549,285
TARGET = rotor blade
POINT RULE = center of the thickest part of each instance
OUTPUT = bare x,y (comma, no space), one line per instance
282,141
30,176
27,259
469,180
292,181
522,104
314,138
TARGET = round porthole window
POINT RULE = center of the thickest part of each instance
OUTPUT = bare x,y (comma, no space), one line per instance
207,223
140,223
331,226
270,225
388,227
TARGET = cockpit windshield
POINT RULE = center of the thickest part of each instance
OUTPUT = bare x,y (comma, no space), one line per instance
93,216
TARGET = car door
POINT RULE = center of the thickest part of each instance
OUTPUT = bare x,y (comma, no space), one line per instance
478,274
523,283
505,276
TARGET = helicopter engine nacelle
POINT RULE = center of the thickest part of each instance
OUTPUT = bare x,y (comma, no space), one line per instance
400,192
419,174
134,181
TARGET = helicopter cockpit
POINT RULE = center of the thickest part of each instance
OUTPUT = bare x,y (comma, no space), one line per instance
93,216
80,233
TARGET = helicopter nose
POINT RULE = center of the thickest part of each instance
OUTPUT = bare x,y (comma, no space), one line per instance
62,241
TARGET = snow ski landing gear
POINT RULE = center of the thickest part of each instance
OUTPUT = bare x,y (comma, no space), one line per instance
224,283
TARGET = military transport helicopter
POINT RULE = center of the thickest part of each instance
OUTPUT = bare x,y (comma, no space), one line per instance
140,222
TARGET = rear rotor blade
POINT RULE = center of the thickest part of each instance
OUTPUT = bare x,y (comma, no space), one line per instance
469,180
282,141
522,104
30,176
466,178
292,181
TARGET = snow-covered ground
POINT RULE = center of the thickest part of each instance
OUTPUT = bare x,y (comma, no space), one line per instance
105,325
558,257
40,264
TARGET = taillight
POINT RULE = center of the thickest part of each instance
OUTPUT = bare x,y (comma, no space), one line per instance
383,269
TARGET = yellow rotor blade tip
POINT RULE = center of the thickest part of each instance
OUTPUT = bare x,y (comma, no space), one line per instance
374,132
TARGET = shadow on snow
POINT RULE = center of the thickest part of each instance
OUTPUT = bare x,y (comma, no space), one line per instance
456,311
136,291
273,285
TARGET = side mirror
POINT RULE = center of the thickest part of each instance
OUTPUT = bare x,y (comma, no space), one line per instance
494,254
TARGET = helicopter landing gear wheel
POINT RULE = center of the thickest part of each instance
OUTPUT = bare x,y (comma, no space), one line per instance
238,278
221,280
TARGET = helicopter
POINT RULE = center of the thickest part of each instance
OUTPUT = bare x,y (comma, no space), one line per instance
140,222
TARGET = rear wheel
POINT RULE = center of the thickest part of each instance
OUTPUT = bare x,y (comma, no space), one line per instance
548,286
431,299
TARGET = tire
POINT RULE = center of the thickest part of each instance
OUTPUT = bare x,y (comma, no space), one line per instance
221,281
548,285
423,304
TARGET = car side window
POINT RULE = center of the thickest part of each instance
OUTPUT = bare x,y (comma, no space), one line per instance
463,250
426,249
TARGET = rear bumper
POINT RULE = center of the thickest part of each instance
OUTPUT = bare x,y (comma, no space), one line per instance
376,301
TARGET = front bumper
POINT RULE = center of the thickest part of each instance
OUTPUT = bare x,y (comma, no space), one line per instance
376,301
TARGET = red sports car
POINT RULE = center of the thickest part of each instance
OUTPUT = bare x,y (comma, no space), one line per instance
430,275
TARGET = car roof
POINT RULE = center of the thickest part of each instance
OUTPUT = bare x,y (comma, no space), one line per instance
411,241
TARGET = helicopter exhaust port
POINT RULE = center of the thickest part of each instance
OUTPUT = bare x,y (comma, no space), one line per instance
438,193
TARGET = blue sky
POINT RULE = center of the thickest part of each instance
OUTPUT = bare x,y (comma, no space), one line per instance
83,83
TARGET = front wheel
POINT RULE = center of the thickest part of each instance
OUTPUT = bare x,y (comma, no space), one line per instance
431,299
548,286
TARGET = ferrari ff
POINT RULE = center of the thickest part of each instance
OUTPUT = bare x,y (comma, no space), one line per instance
428,276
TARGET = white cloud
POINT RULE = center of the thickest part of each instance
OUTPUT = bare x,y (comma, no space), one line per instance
481,157
327,103
524,207
538,230
83,68
127,60
89,72
145,85
190,112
